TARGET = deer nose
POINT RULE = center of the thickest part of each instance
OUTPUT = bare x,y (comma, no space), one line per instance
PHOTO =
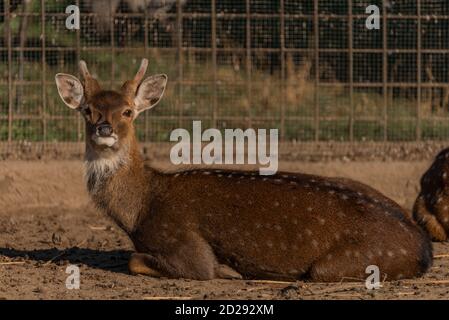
104,130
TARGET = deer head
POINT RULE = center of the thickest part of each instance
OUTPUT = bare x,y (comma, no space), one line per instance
109,115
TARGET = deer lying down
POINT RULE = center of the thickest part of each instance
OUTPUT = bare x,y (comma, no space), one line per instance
431,209
205,224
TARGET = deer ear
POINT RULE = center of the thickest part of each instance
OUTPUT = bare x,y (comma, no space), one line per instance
150,92
70,90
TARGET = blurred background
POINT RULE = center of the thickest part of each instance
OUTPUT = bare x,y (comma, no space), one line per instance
310,68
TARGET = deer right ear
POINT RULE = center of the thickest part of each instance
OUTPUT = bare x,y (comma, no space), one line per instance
70,90
150,92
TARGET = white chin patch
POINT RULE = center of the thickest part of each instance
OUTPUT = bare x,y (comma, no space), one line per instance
104,141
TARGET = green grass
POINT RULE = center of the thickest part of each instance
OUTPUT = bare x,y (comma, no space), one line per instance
229,100
232,104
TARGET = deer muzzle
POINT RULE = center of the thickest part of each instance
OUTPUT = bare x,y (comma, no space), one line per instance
104,135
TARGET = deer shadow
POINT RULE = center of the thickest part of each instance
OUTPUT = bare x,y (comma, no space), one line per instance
113,260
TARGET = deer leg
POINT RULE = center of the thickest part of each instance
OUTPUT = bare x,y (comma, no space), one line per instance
191,257
223,271
427,220
139,264
334,267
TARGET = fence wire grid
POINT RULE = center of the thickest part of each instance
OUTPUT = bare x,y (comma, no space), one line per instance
310,68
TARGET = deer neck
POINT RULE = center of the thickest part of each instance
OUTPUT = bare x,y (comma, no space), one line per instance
118,183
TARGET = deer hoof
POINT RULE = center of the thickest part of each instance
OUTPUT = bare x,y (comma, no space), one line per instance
137,264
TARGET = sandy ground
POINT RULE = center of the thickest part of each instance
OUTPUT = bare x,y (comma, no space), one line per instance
47,223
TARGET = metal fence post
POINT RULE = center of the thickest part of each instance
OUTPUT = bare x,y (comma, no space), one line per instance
385,70
248,62
418,70
145,52
112,17
282,49
78,58
9,49
214,62
180,60
351,71
43,73
316,35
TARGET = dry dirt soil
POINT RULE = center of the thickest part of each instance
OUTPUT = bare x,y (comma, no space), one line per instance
47,223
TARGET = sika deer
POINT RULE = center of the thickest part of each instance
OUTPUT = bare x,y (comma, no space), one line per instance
205,224
431,209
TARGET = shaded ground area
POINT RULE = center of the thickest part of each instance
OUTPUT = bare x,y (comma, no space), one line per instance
47,223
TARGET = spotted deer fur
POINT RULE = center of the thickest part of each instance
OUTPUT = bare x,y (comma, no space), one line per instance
211,223
431,209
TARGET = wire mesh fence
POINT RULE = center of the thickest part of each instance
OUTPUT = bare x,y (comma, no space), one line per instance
310,68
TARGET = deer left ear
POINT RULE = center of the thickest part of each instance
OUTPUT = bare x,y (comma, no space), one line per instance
150,92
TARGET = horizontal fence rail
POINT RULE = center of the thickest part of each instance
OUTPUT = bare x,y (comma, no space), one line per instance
310,68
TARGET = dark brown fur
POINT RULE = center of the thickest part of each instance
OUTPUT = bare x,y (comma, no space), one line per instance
286,226
431,209
205,224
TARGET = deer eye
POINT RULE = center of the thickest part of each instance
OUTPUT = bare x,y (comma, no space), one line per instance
127,113
87,111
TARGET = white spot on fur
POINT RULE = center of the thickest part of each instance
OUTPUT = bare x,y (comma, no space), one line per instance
341,214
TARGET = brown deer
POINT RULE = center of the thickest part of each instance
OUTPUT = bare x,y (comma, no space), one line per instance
205,224
431,209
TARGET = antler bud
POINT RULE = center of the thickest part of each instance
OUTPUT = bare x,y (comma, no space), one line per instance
129,88
91,85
